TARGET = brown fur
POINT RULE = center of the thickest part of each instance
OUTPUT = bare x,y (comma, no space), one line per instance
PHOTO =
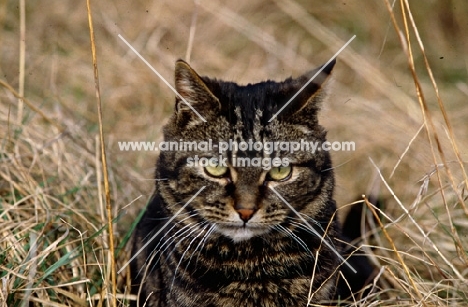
201,258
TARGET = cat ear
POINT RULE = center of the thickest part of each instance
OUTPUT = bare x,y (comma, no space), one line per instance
307,94
195,93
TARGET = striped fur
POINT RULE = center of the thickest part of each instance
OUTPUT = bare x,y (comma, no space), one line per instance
208,256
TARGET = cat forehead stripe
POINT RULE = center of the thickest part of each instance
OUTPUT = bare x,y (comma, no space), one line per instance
313,77
161,77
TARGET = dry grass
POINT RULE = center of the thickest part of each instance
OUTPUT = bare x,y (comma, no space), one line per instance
404,108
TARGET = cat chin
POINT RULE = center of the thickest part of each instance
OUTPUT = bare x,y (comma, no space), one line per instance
241,233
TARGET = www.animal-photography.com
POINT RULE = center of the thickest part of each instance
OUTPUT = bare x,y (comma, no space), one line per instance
207,153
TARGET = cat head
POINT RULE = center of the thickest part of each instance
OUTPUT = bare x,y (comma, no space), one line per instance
240,143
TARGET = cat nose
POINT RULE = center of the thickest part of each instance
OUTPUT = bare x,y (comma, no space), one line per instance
245,214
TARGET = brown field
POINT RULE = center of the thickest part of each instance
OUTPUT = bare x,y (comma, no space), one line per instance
411,149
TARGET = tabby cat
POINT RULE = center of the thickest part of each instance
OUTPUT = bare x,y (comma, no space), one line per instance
221,234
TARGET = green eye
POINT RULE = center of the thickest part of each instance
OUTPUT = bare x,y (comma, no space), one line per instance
280,173
216,171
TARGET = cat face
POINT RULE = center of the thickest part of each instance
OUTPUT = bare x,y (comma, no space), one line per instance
241,152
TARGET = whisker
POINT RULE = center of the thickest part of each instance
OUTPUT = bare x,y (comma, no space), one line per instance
186,250
307,229
163,241
151,255
204,239
179,233
170,229
155,252
167,242
313,229
319,225
207,233
190,227
302,227
161,252
312,220
291,234
161,229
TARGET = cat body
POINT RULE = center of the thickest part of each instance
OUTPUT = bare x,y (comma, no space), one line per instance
230,235
262,271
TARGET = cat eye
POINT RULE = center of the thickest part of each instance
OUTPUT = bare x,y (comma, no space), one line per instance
216,171
279,173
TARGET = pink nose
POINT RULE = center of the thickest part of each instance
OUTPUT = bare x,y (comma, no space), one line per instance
245,214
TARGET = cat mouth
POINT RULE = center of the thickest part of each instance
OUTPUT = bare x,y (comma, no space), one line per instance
241,232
